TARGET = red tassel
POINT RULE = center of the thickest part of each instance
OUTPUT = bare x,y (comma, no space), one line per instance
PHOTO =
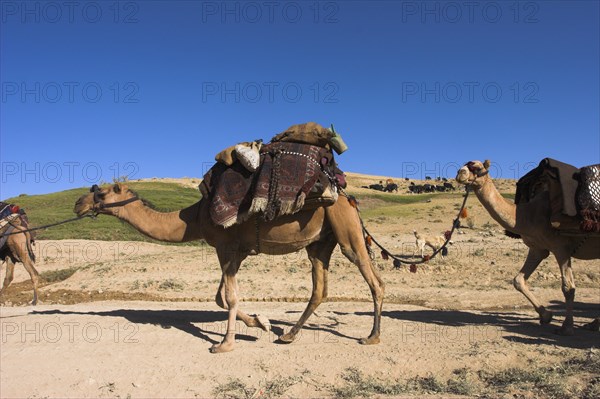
14,209
384,255
426,258
447,235
369,240
413,268
464,214
353,202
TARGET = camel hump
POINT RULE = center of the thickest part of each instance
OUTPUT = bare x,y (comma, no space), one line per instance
314,134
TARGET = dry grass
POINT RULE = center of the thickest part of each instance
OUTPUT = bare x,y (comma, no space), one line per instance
578,377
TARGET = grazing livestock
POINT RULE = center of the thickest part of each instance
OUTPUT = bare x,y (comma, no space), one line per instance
391,187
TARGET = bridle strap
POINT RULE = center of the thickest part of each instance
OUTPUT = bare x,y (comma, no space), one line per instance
477,172
101,205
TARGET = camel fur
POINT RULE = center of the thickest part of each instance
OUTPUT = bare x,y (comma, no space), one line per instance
18,249
531,221
317,230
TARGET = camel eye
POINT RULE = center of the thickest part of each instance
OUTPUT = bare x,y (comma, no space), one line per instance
472,168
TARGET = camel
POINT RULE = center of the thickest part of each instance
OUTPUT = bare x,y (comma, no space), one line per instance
531,221
18,249
318,231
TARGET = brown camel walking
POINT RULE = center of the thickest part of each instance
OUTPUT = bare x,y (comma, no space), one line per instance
18,249
531,221
318,231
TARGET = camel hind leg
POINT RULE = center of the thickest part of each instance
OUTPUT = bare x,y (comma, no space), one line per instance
534,258
33,273
346,226
250,321
319,254
568,289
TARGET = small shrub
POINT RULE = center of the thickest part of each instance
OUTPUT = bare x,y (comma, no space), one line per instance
171,284
234,388
55,276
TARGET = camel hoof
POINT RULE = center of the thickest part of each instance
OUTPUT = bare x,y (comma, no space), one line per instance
287,338
221,348
369,341
263,323
593,326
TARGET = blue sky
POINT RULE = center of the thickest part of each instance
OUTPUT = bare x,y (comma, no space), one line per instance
92,90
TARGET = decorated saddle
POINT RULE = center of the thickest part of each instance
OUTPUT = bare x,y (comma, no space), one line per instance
574,193
291,175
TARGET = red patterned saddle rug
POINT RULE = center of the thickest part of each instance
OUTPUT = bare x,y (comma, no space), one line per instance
280,186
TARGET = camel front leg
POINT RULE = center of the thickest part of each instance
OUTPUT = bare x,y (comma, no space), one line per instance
319,254
250,321
568,289
10,271
230,262
534,258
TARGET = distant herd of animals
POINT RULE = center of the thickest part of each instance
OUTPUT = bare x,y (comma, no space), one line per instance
413,188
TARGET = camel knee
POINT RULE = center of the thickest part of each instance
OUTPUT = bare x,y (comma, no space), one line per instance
316,298
519,283
8,279
377,292
230,299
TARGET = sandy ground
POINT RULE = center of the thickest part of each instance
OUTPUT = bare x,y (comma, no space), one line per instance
137,319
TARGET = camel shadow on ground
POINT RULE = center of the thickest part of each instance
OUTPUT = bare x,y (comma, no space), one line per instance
210,322
510,326
278,327
199,323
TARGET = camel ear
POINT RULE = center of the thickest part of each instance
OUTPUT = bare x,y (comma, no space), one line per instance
117,188
486,164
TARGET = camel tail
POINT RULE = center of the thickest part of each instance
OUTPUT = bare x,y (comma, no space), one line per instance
29,246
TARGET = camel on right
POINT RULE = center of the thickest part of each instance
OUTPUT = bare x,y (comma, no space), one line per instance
531,221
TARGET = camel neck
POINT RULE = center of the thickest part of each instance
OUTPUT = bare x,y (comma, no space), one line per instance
502,211
178,226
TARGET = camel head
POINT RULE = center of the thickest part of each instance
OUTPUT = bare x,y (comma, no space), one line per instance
474,173
107,200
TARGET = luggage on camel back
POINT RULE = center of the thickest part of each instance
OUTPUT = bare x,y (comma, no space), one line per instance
574,194
296,170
